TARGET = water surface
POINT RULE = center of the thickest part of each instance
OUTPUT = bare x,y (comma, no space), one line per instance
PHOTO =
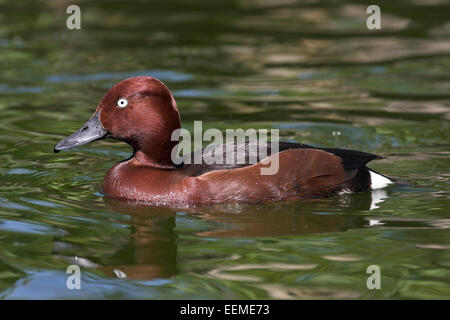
311,69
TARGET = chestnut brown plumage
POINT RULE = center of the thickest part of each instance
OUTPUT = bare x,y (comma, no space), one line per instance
147,123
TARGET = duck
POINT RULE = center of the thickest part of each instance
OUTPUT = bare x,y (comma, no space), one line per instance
142,112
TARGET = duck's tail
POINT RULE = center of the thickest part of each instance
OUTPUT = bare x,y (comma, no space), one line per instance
379,181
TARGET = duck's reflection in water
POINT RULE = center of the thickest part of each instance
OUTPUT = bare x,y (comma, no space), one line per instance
152,249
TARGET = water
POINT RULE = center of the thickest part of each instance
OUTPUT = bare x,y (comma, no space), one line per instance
311,69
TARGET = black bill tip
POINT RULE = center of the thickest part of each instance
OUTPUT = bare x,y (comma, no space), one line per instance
92,130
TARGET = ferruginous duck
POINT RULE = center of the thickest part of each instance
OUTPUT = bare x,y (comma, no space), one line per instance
142,112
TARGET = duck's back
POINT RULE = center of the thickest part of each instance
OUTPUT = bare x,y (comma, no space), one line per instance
303,172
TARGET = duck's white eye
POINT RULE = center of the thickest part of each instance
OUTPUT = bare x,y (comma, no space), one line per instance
122,103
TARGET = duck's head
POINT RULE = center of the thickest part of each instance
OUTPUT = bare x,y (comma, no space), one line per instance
140,111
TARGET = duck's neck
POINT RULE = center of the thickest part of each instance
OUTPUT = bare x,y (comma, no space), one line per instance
154,146
164,162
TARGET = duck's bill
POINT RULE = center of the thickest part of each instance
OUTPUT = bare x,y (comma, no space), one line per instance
91,131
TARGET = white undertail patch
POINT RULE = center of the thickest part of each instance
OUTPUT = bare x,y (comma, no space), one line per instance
378,181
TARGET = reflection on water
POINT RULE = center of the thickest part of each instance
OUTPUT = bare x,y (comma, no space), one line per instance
151,251
309,68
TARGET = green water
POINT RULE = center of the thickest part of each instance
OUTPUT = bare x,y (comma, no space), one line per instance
311,69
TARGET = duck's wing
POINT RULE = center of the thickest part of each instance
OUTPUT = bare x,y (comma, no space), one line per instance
303,173
232,155
352,159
